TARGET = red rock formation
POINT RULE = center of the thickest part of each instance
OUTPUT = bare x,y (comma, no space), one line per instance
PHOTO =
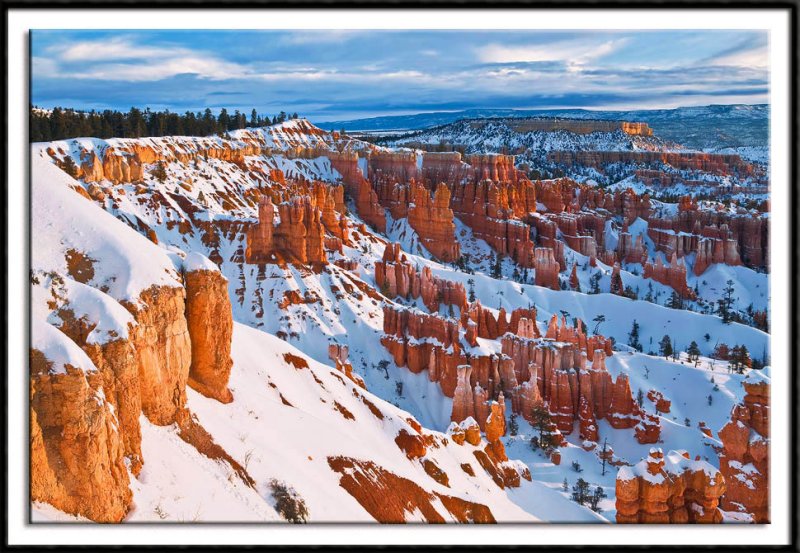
491,327
495,167
210,322
587,422
661,404
401,165
574,282
493,210
673,490
673,275
433,221
395,276
358,187
715,250
164,352
389,498
720,164
76,461
617,287
444,167
731,238
630,250
547,268
744,459
298,237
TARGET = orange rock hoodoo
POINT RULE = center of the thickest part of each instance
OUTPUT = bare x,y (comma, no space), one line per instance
298,237
673,275
716,237
358,187
744,459
555,370
493,210
433,222
77,454
208,315
395,276
85,428
675,489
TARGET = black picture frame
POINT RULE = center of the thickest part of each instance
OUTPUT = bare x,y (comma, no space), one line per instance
789,6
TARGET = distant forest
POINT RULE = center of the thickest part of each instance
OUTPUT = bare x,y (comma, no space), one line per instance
64,123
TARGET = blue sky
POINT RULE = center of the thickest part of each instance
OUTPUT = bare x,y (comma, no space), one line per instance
336,75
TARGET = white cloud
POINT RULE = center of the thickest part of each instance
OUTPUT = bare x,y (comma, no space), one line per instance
757,57
326,36
573,52
118,48
120,59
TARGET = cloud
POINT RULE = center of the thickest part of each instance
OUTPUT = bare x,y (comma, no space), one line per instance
118,48
751,52
323,36
393,70
574,53
121,59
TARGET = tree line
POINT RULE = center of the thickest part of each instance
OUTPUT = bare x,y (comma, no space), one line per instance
63,123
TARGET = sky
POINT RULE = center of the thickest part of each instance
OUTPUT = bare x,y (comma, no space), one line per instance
342,74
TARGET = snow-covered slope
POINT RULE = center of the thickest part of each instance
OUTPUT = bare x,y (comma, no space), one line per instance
292,411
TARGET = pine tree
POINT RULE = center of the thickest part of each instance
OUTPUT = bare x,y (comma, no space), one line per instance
471,286
604,454
542,423
497,266
665,346
693,352
598,320
580,491
633,337
594,500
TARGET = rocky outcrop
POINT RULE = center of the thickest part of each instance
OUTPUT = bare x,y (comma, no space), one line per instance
672,275
495,167
744,459
400,165
630,250
432,219
389,498
210,322
163,351
719,164
661,404
298,236
672,489
77,455
730,238
395,276
421,342
547,268
493,210
577,126
358,188
487,325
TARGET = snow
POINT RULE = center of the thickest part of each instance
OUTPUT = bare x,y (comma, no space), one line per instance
198,262
123,260
57,348
292,442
